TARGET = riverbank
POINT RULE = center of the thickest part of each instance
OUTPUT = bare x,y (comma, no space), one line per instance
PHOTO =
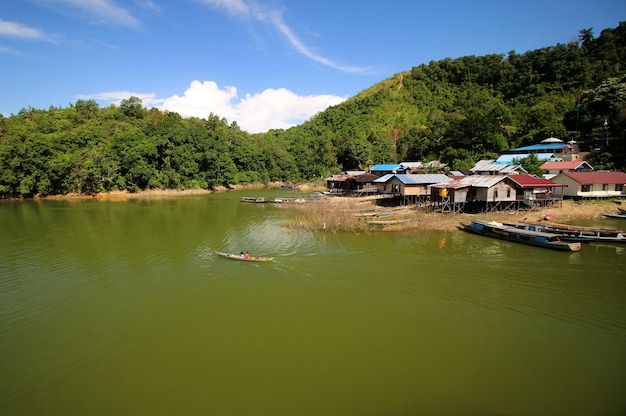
161,193
363,215
353,214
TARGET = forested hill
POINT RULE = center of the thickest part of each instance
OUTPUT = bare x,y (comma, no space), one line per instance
454,110
461,110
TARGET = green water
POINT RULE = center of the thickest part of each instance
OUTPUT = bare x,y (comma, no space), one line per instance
123,308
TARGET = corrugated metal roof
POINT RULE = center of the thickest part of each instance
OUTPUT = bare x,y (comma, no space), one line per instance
415,179
497,167
478,181
602,177
531,181
482,181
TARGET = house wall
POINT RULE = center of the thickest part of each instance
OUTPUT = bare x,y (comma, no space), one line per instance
574,189
416,190
460,195
500,192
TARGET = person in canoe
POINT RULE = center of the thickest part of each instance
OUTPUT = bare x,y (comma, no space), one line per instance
246,256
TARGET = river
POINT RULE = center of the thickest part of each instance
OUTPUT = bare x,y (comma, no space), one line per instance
123,308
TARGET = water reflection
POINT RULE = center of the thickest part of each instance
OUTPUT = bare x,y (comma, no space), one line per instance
118,305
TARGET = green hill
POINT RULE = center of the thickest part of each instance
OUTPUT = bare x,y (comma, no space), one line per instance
454,110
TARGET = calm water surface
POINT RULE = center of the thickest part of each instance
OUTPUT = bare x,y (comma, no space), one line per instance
123,308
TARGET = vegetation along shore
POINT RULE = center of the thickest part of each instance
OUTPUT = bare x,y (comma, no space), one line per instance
353,214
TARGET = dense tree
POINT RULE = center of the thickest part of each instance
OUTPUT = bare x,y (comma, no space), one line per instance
455,110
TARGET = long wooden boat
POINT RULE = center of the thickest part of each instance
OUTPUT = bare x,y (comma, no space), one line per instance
239,257
565,235
540,239
576,231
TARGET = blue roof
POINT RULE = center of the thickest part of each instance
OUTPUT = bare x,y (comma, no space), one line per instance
389,168
541,146
543,157
414,179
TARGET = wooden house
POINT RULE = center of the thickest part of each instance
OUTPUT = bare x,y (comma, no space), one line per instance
356,183
475,193
536,192
588,185
409,189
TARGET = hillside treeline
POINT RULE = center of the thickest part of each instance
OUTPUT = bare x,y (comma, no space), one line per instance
454,110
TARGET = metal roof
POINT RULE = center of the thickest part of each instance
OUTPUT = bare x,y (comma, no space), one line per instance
415,179
389,168
541,146
591,178
497,167
508,159
567,164
478,181
531,181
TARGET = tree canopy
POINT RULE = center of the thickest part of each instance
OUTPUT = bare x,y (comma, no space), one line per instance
454,110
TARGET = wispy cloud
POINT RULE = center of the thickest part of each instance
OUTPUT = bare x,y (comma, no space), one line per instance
274,17
19,31
102,11
255,113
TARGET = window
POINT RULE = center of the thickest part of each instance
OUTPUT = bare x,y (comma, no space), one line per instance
585,188
508,193
605,186
619,187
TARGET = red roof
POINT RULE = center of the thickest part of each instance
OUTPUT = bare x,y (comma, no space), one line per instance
567,164
531,181
590,178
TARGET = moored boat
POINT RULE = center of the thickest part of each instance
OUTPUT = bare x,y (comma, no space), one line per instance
243,258
575,231
505,232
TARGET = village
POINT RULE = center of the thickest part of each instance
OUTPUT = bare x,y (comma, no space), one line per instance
490,186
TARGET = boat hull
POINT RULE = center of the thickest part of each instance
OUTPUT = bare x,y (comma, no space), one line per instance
508,233
238,257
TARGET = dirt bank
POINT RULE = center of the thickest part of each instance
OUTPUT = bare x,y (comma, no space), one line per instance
157,193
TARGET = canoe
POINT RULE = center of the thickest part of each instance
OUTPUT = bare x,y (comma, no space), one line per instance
238,257
540,239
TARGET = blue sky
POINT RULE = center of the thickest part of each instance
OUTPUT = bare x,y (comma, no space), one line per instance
262,63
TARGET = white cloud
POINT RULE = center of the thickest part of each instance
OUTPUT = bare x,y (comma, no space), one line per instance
255,113
104,11
18,30
270,109
274,17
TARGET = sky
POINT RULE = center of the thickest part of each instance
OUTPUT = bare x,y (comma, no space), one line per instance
264,64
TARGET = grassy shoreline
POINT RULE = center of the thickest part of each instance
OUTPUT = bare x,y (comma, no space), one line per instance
352,214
